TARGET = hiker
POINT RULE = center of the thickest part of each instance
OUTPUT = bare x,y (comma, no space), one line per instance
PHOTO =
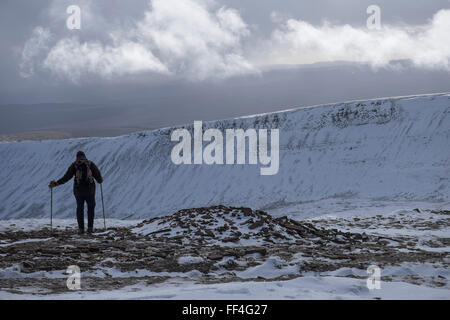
85,172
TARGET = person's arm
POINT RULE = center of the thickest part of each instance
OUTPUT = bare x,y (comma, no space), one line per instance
96,173
69,175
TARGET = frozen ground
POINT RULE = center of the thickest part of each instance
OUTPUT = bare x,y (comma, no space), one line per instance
318,258
58,224
307,287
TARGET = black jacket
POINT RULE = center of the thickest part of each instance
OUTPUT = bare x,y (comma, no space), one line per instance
82,189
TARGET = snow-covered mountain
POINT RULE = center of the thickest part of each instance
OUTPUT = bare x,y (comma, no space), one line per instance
390,149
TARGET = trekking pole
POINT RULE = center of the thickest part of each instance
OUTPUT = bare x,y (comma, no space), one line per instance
51,209
103,206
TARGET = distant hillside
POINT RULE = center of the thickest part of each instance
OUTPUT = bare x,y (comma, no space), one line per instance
386,149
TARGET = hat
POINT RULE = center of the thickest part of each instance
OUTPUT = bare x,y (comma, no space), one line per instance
81,155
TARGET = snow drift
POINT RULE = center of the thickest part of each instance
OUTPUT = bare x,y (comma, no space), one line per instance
384,149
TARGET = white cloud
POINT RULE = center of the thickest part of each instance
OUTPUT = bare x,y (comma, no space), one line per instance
32,49
71,59
194,41
198,40
187,38
298,42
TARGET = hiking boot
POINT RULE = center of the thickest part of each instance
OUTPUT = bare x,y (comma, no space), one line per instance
80,231
90,230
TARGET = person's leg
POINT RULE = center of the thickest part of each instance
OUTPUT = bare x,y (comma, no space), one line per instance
90,200
80,212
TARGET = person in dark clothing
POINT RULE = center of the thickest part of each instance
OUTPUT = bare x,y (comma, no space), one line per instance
85,172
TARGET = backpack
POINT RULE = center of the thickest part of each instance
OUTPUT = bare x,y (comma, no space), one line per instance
83,172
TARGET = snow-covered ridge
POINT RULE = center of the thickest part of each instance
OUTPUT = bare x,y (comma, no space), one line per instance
385,149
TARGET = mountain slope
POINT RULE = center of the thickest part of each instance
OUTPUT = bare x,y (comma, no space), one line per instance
386,149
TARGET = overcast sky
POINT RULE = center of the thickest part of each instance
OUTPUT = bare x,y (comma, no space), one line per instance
188,58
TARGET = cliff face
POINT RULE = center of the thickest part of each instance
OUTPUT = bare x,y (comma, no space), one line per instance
386,149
